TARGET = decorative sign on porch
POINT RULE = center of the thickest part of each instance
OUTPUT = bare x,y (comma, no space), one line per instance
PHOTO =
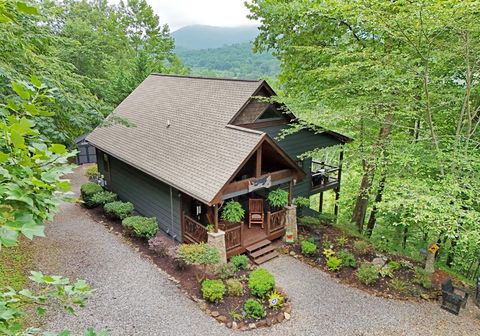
289,237
259,183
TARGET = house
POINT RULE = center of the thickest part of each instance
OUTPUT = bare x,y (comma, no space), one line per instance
86,152
195,143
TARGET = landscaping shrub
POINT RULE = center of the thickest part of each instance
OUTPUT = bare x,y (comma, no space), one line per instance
180,264
254,309
240,262
92,172
278,198
394,265
328,253
334,264
118,209
348,259
308,248
341,241
199,254
226,271
423,278
367,273
103,197
87,190
157,245
233,212
362,247
399,285
234,287
261,282
327,244
302,202
213,290
141,226
309,221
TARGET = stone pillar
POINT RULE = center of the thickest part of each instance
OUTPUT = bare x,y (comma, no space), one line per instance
217,240
291,221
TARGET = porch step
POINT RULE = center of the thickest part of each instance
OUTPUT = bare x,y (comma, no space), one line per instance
261,252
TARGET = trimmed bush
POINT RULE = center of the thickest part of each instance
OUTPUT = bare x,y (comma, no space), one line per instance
118,209
87,191
254,309
348,259
103,197
308,248
141,226
92,172
234,287
240,262
334,264
362,247
302,202
213,290
157,245
367,273
261,282
226,271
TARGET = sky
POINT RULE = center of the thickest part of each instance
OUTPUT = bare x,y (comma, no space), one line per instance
180,13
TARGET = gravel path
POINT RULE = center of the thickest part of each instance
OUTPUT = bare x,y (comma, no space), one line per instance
134,298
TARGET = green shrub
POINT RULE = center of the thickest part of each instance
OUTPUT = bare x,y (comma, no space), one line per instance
406,264
362,247
226,271
385,271
87,191
394,265
118,209
103,197
334,264
328,252
240,262
233,212
327,244
141,226
367,273
326,218
92,172
199,254
254,309
213,290
341,241
275,300
423,278
302,202
261,282
308,248
234,287
309,221
399,285
348,259
278,198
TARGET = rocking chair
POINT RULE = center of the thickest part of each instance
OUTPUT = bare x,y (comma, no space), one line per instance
255,212
451,301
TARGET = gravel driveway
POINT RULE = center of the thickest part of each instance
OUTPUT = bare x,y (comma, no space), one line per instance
134,298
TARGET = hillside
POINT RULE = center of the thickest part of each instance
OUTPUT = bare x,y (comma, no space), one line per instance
204,37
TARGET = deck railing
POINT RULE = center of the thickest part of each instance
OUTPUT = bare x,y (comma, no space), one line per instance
324,175
276,221
233,236
193,231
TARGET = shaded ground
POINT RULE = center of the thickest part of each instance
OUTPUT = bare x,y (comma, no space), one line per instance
134,298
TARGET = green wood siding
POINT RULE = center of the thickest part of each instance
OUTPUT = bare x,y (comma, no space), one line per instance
150,197
297,144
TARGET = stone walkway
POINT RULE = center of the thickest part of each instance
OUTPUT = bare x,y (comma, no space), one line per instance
134,298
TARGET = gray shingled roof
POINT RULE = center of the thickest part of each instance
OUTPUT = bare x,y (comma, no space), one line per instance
198,152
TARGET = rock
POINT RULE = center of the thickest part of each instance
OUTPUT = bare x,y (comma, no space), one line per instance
222,319
280,317
287,308
261,323
252,326
292,253
208,311
234,325
229,324
379,261
287,316
215,313
269,321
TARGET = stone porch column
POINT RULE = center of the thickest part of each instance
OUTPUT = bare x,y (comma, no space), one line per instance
291,221
217,240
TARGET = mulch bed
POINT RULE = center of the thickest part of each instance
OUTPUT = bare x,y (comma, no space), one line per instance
188,280
347,275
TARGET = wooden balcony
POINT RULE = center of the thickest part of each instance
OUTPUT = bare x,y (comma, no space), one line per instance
324,176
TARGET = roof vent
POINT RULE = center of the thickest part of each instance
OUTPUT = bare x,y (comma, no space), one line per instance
168,123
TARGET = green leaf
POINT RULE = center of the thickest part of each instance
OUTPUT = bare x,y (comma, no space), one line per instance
3,157
8,237
35,81
58,149
21,90
31,230
41,311
24,8
16,194
17,139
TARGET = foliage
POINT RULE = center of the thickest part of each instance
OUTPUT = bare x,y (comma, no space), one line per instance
394,265
367,273
50,288
235,315
254,309
308,248
92,172
334,263
240,262
102,197
210,228
261,282
422,277
157,245
213,290
87,191
200,254
309,221
341,241
234,287
233,212
328,252
302,202
278,198
118,209
275,300
362,246
141,226
348,259
327,245
385,271
226,271
180,264
399,285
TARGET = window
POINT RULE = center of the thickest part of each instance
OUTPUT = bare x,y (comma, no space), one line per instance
270,113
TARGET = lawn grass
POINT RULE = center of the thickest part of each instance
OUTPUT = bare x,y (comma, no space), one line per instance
15,264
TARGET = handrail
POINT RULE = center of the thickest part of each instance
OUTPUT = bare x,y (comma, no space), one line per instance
193,231
276,221
233,237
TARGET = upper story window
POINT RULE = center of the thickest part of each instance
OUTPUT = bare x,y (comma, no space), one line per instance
270,113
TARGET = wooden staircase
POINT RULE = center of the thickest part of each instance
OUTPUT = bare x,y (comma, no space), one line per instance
261,252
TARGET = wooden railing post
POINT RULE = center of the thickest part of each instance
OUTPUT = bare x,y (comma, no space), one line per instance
241,233
269,214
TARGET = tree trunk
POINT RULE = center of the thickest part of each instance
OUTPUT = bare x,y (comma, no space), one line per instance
405,237
378,198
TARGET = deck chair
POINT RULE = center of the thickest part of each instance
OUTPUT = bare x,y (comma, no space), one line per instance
255,212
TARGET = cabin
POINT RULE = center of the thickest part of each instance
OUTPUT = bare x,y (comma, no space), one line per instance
191,144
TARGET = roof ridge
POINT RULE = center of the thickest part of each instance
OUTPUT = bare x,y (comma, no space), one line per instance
244,129
210,78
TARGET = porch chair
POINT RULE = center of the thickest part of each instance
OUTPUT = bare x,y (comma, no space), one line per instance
255,212
451,301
